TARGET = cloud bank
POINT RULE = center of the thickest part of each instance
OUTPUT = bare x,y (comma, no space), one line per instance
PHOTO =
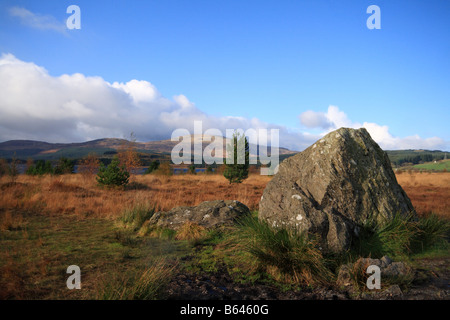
70,108
73,108
335,118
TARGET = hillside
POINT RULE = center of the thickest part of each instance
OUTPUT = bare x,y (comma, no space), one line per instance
39,150
106,148
412,157
438,165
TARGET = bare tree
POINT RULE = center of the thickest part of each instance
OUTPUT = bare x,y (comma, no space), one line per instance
128,155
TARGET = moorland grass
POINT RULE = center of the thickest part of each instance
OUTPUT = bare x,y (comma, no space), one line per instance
49,223
401,236
141,285
137,214
284,251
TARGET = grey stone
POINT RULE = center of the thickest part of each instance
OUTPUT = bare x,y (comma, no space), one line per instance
208,214
333,187
385,261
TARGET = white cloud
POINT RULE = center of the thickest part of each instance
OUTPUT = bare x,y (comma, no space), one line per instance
37,21
70,108
335,118
312,119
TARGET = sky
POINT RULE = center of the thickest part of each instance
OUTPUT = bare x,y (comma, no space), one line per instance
303,67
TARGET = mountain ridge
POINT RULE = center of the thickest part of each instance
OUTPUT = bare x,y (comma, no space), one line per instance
35,149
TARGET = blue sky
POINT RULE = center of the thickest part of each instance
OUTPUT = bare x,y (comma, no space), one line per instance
270,61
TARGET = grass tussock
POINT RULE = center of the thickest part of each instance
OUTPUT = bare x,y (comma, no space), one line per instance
136,215
190,231
147,285
402,236
285,254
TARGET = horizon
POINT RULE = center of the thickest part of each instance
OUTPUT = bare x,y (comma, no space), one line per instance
304,68
204,142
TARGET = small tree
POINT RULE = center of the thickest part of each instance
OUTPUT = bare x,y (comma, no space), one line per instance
114,175
12,169
29,164
154,165
3,166
165,169
192,169
64,166
89,165
237,172
40,168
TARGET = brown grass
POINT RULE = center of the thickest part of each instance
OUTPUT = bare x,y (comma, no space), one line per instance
75,194
190,231
11,221
429,192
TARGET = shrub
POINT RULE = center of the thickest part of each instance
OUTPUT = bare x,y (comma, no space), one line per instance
64,166
40,168
154,165
164,169
113,175
192,169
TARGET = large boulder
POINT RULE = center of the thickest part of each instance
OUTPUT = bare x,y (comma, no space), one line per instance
208,214
333,187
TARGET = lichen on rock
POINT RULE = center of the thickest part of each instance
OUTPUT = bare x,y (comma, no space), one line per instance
336,185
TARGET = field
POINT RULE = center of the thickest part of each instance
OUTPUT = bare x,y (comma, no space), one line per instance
48,223
428,191
438,166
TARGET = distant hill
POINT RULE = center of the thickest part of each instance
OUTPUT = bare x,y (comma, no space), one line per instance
39,150
413,157
106,148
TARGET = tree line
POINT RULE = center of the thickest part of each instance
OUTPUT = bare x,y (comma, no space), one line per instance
416,159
